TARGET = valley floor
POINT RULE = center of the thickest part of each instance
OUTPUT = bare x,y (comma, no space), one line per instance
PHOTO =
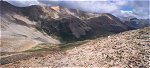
130,49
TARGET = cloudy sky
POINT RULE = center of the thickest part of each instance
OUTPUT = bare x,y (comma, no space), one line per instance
120,8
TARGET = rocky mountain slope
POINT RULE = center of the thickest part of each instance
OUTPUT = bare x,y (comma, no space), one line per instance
130,49
44,24
18,33
54,36
72,23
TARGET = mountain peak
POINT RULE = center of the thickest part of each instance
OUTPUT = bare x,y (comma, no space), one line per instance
56,8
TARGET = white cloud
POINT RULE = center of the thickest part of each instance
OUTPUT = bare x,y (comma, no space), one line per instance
140,8
23,3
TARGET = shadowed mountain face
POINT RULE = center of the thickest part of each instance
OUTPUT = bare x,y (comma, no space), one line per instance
72,23
135,23
43,22
64,23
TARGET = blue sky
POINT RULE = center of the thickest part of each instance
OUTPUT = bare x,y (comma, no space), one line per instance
120,8
127,8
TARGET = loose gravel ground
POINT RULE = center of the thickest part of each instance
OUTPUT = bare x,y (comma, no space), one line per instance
130,49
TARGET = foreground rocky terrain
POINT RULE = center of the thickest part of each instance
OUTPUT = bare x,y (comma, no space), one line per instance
130,49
